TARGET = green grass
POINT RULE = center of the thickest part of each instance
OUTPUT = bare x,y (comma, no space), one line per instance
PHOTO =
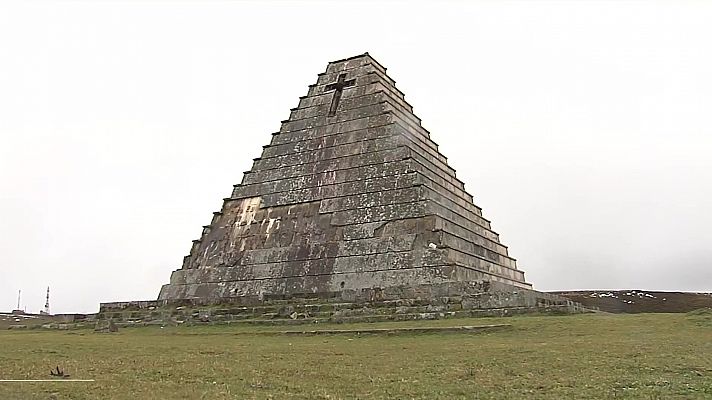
644,356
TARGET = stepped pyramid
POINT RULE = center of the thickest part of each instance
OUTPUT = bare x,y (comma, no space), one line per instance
353,200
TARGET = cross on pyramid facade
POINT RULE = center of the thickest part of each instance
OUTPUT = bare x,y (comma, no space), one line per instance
351,198
338,88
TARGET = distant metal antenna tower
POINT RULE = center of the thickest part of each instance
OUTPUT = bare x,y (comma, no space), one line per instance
46,310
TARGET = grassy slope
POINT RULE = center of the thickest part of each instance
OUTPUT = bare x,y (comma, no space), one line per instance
647,356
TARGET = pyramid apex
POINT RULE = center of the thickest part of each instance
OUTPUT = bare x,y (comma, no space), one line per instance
355,60
365,54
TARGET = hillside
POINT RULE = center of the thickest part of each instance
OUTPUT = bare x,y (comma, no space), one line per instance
640,301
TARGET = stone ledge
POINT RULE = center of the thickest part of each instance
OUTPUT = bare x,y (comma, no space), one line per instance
391,331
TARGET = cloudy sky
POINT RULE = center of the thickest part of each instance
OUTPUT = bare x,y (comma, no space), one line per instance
583,129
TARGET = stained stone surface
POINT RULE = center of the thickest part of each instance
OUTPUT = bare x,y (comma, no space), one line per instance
350,196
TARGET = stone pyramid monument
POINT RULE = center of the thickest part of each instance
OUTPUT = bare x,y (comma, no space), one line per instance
353,201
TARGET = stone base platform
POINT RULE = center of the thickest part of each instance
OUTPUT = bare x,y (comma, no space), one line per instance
396,331
425,302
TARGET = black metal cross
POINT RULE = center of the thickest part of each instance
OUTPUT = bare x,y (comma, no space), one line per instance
338,86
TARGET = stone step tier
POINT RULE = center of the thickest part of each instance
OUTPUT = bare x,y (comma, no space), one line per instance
370,305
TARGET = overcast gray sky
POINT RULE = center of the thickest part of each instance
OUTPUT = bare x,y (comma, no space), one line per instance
583,129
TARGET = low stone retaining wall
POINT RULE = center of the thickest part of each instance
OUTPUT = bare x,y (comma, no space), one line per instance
367,305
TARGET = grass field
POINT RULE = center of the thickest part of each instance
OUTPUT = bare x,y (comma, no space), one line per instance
644,356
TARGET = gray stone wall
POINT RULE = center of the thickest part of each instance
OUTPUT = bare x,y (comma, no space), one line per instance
392,303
